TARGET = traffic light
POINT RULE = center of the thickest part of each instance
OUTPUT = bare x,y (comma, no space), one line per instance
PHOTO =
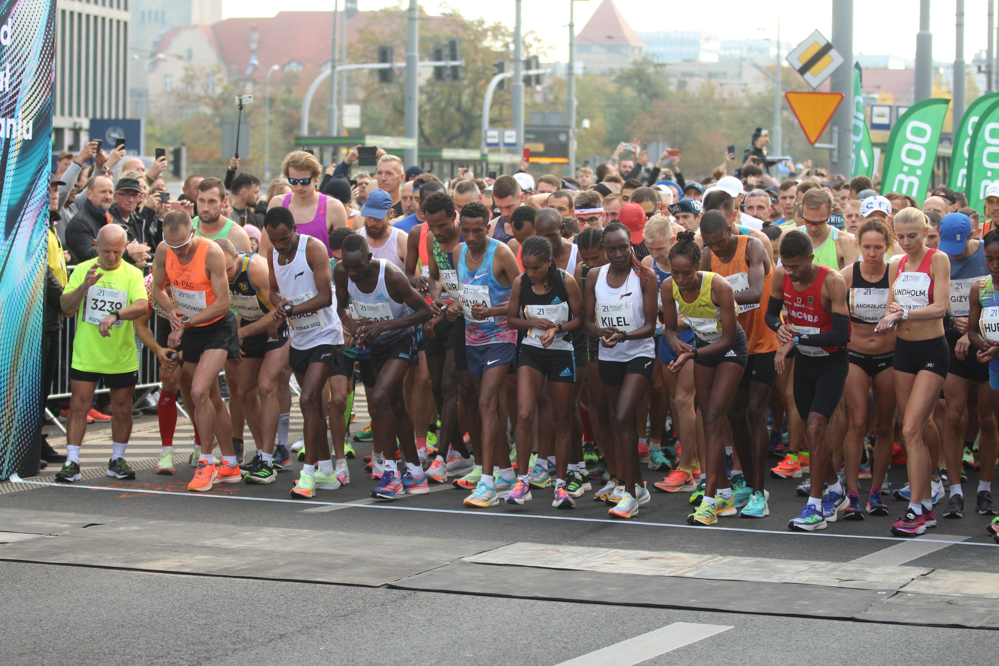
177,162
532,62
440,72
454,56
385,55
500,66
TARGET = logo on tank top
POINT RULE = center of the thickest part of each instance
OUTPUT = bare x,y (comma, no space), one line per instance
298,275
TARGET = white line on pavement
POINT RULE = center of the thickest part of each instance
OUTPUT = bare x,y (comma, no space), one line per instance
803,535
913,549
647,646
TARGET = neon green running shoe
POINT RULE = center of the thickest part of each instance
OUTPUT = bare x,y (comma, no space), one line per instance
698,495
348,451
365,435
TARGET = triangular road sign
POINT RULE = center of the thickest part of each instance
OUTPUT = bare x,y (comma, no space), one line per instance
813,110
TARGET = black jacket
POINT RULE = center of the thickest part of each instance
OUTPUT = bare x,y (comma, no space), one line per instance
134,226
52,318
82,231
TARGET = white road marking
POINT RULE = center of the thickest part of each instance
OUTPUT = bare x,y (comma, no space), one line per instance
648,646
912,549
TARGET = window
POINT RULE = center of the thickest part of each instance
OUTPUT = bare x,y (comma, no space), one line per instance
190,55
167,83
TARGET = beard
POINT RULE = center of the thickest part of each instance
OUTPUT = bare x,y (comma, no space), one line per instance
204,216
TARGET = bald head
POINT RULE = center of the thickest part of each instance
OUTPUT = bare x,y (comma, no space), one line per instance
110,234
548,218
133,164
937,204
110,242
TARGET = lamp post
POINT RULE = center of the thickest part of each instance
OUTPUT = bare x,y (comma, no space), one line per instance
267,122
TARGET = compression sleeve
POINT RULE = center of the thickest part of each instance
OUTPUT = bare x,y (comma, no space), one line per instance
839,336
773,313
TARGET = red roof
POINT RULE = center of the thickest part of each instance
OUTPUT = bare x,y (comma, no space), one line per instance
608,26
205,30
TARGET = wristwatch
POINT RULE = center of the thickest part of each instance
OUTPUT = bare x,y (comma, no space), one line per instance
185,321
117,315
905,315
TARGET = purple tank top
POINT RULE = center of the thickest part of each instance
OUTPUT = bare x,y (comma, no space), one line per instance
317,227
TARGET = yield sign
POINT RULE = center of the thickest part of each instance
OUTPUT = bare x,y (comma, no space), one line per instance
813,110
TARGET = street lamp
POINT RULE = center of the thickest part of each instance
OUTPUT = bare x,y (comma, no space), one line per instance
267,122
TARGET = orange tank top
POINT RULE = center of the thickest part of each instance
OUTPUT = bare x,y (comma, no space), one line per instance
759,337
192,289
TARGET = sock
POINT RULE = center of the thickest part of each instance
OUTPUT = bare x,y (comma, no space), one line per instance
728,450
390,466
581,467
816,502
982,485
916,509
709,500
968,445
117,450
166,414
73,454
560,482
416,471
837,488
655,443
421,443
167,449
956,490
508,474
489,481
571,468
230,460
207,458
584,415
551,460
284,424
309,470
854,494
350,407
726,493
927,506
267,457
326,467
793,455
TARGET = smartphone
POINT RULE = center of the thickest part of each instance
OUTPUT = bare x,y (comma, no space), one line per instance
731,150
673,152
164,196
98,150
366,156
176,205
527,155
119,142
160,152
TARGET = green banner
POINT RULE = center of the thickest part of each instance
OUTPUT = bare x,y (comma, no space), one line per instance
983,160
912,149
862,155
962,144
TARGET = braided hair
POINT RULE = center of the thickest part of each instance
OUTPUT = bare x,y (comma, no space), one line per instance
685,246
538,246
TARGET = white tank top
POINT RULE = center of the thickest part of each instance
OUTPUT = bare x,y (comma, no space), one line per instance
622,308
390,250
570,266
378,305
297,283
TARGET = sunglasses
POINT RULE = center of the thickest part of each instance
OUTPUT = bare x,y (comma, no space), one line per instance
300,181
177,247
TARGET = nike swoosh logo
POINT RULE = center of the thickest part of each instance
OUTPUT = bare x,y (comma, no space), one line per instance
298,275
478,276
325,355
648,364
491,362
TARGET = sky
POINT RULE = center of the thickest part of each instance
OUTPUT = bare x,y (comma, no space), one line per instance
880,27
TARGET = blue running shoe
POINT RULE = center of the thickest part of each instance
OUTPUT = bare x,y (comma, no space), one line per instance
282,457
875,505
413,486
809,520
853,510
832,504
903,494
389,487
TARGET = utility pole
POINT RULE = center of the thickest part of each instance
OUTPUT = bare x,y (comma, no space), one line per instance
570,112
778,94
517,89
991,50
411,155
924,54
960,71
331,113
842,82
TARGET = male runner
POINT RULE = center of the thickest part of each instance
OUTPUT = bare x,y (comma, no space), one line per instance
112,296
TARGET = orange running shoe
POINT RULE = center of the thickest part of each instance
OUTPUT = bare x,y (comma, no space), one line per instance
226,474
678,481
100,417
897,455
695,470
643,453
788,468
204,477
803,462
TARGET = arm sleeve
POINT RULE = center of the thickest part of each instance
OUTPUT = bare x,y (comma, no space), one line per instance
326,178
69,178
53,290
342,170
79,243
653,177
680,181
773,313
635,172
839,336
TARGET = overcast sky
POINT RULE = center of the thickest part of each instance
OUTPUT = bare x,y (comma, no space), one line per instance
879,27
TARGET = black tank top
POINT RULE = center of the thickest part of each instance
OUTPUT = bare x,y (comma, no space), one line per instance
864,300
557,294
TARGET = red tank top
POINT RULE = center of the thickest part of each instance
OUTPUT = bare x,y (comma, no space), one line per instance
805,311
924,267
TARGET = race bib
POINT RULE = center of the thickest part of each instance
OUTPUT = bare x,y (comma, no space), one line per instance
373,311
740,282
191,302
989,323
300,323
451,285
868,305
246,306
912,290
557,314
618,314
101,302
705,328
806,349
472,294
960,290
425,272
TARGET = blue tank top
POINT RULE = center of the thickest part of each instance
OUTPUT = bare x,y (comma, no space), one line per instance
686,335
499,231
482,287
964,272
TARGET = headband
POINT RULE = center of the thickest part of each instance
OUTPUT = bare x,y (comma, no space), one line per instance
589,211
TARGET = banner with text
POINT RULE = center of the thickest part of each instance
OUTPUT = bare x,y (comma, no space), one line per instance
27,29
912,149
862,156
958,180
983,155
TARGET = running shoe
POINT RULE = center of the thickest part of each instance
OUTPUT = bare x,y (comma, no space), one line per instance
740,491
421,454
599,471
695,471
757,507
643,453
251,463
698,493
342,472
438,471
984,504
297,446
100,417
875,505
327,481
832,504
204,477
348,451
227,473
412,485
886,487
192,459
119,469
809,520
898,458
590,453
865,470
261,473
305,486
471,480
642,494
937,491
929,517
377,468
282,457
431,443
165,465
908,525
365,435
615,495
803,457
788,468
677,481
658,461
300,455
563,500
853,510
240,448
704,514
724,507
804,489
538,476
69,473
458,466
482,497
521,493
501,485
955,507
605,492
574,485
626,507
992,528
552,471
389,486
903,494
968,459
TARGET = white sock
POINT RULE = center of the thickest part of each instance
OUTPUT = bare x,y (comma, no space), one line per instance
560,482
551,460
927,506
571,468
837,488
309,470
728,450
916,509
267,457
416,471
230,460
982,485
118,450
726,493
956,490
816,502
508,474
709,500
207,457
581,467
489,481
284,424
391,467
326,467
73,454
167,449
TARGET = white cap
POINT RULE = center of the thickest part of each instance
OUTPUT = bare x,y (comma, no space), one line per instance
732,185
525,180
992,190
871,204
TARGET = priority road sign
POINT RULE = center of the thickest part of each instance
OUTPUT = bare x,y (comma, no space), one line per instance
815,59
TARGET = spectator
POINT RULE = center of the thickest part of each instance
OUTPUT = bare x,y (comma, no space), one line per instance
82,229
63,161
585,177
128,193
254,234
189,191
548,184
243,197
390,176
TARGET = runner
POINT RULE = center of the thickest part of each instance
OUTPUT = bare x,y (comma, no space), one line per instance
107,295
301,293
386,309
818,327
205,332
719,356
871,356
922,359
545,303
620,307
816,208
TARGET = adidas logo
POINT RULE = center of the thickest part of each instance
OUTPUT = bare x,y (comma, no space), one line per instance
566,373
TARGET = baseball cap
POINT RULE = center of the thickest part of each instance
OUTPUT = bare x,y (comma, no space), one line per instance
55,180
693,185
686,206
863,195
377,204
945,193
525,180
876,202
955,229
732,185
127,184
774,192
632,216
338,188
992,190
413,171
